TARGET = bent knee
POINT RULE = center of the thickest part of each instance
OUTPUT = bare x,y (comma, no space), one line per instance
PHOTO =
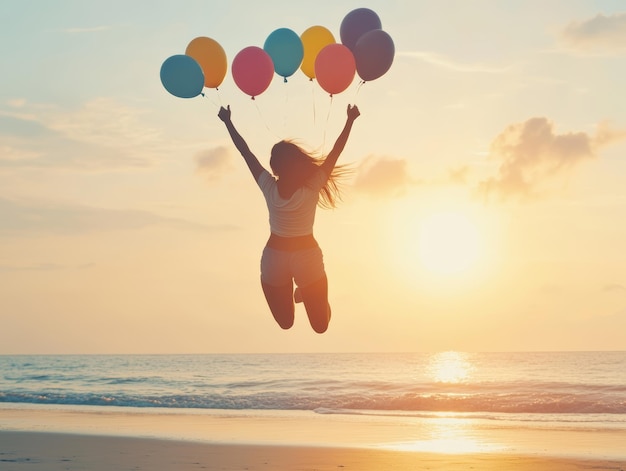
285,324
320,320
284,317
320,328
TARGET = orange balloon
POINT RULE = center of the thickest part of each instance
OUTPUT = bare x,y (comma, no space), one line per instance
212,59
314,39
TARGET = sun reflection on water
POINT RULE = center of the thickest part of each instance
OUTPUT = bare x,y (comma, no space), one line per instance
449,436
447,432
450,367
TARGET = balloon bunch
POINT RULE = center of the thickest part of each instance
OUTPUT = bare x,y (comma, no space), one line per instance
203,65
365,49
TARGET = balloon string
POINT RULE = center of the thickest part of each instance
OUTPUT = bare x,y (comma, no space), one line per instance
206,95
286,107
330,106
313,100
256,104
358,88
329,109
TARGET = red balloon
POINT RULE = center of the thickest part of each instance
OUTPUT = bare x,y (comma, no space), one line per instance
253,70
356,24
373,54
335,68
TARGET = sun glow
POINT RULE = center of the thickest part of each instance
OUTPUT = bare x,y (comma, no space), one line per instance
448,243
439,243
449,435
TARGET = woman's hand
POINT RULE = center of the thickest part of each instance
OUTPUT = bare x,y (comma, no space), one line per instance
224,114
353,112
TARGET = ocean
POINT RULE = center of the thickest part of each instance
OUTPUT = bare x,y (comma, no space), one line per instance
563,387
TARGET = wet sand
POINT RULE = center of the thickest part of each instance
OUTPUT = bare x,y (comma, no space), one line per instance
99,439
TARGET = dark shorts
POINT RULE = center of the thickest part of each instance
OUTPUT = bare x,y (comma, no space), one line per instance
283,261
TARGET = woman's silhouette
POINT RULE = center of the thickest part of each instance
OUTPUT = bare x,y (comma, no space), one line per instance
300,182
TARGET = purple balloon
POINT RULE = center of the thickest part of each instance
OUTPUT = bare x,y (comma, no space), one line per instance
373,54
356,24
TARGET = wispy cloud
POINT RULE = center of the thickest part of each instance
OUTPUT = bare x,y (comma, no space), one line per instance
212,163
105,122
459,175
44,267
614,288
602,34
440,60
532,154
91,29
383,176
22,218
102,134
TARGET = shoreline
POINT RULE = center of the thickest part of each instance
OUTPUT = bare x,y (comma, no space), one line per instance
441,436
52,451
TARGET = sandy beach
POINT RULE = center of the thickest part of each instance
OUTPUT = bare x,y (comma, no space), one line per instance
98,439
56,452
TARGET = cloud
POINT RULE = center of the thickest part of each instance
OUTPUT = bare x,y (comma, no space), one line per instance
93,29
614,288
532,154
383,176
444,62
601,34
102,134
213,163
458,176
20,218
28,144
44,267
607,134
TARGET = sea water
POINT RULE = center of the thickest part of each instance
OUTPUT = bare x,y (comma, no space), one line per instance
431,396
567,386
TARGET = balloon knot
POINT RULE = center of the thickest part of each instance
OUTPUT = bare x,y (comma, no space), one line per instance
252,98
202,93
285,80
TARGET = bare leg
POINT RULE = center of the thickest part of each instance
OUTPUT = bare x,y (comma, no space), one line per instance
297,295
315,297
280,301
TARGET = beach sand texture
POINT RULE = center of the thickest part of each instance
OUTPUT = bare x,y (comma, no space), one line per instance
55,452
45,439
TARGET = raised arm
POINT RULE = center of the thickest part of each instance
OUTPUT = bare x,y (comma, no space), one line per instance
253,163
331,160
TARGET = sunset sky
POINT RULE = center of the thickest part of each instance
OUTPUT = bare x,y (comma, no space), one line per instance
486,209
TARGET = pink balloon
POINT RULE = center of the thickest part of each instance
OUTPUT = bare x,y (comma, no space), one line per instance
253,70
335,68
373,54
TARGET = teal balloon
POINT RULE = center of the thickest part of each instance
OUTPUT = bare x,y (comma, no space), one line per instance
285,48
182,76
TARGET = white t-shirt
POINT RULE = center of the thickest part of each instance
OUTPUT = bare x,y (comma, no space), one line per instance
294,216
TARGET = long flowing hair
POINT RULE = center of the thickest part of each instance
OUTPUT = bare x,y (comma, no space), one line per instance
290,160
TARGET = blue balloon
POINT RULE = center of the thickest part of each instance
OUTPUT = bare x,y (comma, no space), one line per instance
182,76
285,48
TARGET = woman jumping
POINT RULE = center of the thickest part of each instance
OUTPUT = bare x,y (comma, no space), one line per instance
300,183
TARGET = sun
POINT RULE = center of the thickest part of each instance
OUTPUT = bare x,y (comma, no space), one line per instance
447,243
440,243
